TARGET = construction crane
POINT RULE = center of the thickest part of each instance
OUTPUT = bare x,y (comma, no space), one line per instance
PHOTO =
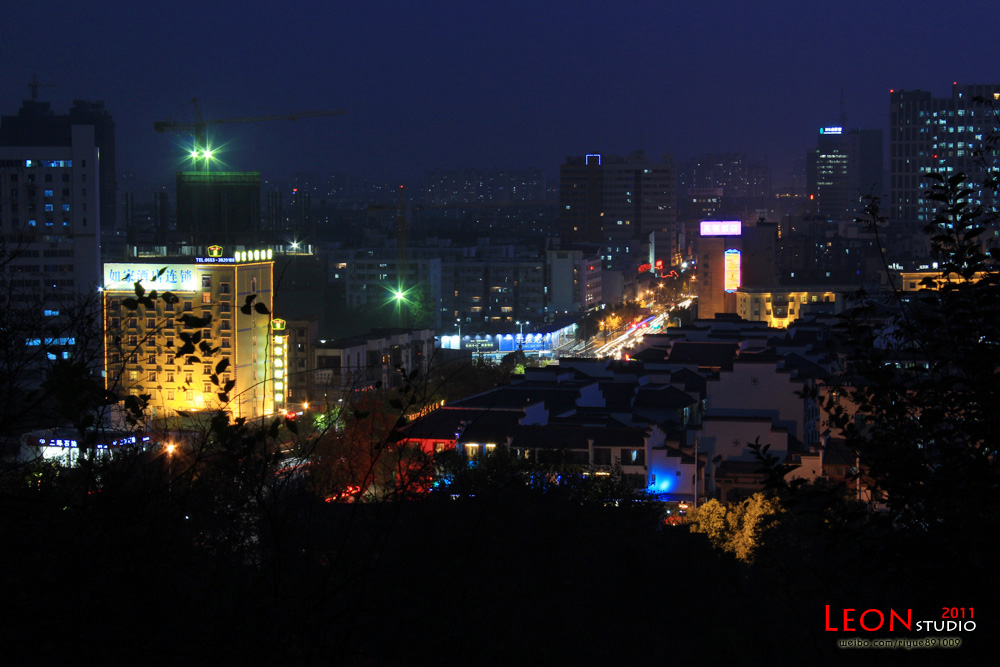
34,85
201,149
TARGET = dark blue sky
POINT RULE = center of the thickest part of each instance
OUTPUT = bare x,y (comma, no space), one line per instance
492,84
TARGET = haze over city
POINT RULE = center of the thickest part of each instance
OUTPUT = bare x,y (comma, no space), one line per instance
438,84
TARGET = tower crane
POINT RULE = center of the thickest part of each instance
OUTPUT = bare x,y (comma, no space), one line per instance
34,85
201,149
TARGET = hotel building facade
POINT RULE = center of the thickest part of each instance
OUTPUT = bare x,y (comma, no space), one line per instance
247,349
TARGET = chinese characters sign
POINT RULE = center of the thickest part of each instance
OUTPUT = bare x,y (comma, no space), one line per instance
169,277
721,227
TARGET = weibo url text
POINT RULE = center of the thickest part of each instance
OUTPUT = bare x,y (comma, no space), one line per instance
925,642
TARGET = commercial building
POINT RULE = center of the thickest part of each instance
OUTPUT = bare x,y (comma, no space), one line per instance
247,349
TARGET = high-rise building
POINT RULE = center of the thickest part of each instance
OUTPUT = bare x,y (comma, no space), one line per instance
936,135
50,203
845,166
35,125
142,343
581,199
616,201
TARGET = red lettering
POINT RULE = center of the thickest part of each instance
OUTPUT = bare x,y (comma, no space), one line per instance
909,619
846,620
828,628
881,619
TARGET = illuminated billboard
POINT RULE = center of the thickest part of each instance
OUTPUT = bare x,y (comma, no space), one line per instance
732,269
163,277
721,227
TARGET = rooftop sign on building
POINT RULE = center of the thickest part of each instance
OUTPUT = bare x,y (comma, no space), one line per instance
721,227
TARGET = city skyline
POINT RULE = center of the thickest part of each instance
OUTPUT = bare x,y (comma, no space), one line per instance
437,86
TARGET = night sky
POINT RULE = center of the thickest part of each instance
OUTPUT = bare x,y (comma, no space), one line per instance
491,84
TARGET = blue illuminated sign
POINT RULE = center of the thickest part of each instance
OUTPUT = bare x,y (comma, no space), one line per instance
173,277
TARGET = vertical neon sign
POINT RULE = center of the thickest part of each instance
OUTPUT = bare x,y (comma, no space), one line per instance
732,269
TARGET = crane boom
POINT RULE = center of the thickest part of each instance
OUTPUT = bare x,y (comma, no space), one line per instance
198,127
171,126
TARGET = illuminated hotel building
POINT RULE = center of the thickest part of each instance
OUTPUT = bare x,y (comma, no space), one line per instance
780,307
142,343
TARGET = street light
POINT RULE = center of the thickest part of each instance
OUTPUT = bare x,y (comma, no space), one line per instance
170,449
521,335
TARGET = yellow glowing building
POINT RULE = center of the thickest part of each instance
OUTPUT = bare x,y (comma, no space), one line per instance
142,344
781,307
